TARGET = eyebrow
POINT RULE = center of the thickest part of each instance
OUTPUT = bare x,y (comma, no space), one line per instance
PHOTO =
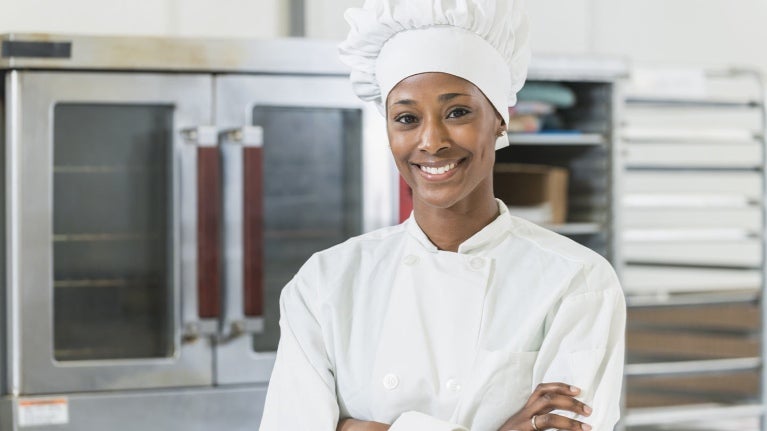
449,96
404,102
442,98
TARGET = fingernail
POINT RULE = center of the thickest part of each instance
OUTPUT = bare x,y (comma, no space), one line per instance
587,409
574,389
586,427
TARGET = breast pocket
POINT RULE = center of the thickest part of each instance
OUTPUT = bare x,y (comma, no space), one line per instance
505,380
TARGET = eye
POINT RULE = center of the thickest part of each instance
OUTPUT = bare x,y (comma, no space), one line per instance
457,112
405,118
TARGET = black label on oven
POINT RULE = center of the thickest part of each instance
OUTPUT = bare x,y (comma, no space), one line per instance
17,48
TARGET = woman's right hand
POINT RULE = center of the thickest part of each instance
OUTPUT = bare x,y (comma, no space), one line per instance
546,398
351,424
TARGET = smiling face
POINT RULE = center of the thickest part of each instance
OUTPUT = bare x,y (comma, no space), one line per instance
442,132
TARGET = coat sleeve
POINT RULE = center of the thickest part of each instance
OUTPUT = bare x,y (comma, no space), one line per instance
302,390
301,394
584,344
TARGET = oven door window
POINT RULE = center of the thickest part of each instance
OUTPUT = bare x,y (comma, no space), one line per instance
312,193
112,231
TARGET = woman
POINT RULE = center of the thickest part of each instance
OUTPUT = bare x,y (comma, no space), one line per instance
463,317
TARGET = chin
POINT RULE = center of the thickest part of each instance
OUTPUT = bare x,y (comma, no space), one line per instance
438,199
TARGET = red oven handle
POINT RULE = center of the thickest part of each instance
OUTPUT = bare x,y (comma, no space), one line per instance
208,232
405,200
253,232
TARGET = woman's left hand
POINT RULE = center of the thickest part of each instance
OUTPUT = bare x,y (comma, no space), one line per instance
350,424
536,414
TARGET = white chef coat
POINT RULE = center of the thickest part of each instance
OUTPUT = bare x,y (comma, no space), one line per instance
386,327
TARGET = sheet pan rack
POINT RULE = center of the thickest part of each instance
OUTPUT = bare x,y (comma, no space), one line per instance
693,255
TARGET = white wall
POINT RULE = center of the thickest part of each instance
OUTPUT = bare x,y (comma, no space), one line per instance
683,32
560,26
204,18
650,32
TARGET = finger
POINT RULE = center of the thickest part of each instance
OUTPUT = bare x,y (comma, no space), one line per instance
557,387
551,401
552,421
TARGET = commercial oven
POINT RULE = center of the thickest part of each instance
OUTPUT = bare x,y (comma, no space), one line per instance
157,194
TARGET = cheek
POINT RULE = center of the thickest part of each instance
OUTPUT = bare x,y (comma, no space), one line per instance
398,143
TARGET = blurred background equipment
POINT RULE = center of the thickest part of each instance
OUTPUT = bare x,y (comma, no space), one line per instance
693,259
157,194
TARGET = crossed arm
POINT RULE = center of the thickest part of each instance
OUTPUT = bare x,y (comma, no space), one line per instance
546,398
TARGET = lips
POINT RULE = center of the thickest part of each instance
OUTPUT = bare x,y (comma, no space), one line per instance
438,170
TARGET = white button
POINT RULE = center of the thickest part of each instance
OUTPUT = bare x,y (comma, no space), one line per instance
390,381
453,385
410,260
477,263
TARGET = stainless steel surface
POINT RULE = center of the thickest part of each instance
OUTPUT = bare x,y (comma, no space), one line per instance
236,96
12,209
294,56
4,371
7,417
582,68
193,327
234,323
203,409
297,18
289,56
38,372
201,136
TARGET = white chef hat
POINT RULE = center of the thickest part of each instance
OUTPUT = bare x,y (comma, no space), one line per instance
482,41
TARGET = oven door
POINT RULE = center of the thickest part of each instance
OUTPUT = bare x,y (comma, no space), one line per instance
306,166
102,230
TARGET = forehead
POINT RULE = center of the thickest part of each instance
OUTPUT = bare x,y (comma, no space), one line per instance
431,85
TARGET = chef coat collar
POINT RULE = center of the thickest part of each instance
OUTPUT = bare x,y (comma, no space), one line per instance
485,238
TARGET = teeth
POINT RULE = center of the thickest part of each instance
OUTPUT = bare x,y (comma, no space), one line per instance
438,171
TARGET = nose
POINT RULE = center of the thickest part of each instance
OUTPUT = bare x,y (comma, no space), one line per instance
434,136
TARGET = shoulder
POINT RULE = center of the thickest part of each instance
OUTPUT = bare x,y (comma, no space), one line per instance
338,265
375,242
589,270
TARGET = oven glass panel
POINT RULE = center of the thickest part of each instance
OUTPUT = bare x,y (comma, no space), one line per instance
112,231
312,193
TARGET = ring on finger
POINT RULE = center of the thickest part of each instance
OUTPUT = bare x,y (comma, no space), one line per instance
532,421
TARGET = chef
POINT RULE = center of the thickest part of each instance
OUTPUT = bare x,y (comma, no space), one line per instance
463,317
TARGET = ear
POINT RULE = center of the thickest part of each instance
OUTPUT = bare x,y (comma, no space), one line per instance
500,125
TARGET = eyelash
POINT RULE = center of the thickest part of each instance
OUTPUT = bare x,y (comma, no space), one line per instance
463,111
411,118
399,119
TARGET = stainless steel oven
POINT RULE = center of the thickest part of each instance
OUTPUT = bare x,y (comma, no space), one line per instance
157,195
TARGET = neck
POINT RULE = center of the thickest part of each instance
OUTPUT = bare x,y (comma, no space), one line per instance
447,228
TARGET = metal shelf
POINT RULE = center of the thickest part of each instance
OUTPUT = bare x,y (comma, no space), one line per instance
103,237
697,234
650,102
692,299
693,367
557,139
690,413
576,228
104,169
102,282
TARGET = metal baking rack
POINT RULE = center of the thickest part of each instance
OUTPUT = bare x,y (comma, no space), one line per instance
693,254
